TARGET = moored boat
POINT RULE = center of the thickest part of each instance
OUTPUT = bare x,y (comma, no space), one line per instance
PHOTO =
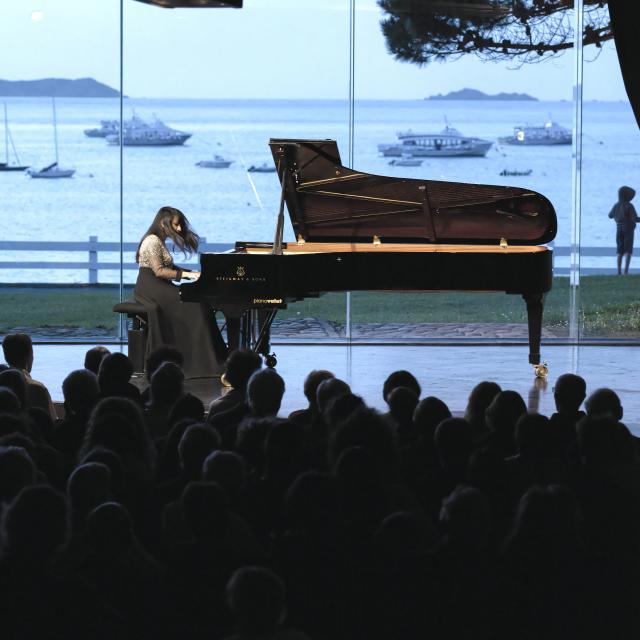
218,162
448,143
549,133
138,133
107,128
263,168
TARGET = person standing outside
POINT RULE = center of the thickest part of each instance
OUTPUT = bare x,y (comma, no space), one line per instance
624,213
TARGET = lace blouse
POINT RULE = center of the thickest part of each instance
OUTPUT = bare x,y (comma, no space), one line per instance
154,255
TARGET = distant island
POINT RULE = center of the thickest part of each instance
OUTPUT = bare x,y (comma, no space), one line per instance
474,94
58,88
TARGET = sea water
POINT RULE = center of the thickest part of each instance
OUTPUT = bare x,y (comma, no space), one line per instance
225,205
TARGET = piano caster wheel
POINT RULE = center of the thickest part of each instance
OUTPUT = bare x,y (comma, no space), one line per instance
270,360
541,370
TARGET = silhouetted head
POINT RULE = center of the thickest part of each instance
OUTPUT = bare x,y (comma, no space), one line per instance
88,486
14,379
167,384
18,350
16,472
256,597
366,428
197,442
93,358
428,414
187,406
603,440
487,471
113,462
569,392
81,392
339,408
604,403
283,449
311,383
115,371
546,523
503,412
534,438
264,393
403,535
454,442
205,509
465,519
228,469
250,441
171,223
35,525
9,403
626,194
400,378
160,355
241,364
311,503
128,435
402,403
327,390
480,398
109,529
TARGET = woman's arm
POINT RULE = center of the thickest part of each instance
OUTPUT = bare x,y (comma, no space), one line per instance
160,271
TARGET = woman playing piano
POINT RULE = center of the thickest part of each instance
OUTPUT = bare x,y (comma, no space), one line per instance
188,326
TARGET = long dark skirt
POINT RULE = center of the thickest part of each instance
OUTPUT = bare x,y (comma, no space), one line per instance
189,327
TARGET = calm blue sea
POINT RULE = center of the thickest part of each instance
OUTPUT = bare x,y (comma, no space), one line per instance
231,204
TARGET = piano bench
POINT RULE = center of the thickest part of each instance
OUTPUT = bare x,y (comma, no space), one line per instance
137,334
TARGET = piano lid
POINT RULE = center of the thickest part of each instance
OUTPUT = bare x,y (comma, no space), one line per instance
329,202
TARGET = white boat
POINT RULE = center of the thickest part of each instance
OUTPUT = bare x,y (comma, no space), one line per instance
449,143
550,133
218,162
107,128
52,170
405,162
7,165
138,133
263,168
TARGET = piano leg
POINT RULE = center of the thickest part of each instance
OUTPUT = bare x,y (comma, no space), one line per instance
534,303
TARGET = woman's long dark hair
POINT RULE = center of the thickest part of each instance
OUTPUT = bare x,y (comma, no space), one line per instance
187,240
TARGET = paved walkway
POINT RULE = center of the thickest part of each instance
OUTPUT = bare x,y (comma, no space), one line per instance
315,329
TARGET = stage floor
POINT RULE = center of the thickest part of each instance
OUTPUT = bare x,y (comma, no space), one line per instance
448,372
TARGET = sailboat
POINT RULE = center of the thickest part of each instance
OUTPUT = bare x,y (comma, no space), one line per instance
6,166
52,170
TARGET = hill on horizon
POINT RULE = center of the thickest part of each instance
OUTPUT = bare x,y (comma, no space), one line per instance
57,88
474,94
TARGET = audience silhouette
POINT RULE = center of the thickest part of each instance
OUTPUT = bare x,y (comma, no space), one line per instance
145,516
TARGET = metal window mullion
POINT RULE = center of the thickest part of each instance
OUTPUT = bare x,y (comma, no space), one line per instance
576,213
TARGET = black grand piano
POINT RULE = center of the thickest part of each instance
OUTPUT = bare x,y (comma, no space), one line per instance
361,232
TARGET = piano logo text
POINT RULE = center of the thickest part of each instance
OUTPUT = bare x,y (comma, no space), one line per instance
268,301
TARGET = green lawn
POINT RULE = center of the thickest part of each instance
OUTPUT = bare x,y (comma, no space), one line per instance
610,305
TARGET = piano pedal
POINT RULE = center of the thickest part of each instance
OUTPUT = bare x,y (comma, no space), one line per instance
270,360
541,370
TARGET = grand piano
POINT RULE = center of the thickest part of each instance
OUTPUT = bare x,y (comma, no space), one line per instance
362,232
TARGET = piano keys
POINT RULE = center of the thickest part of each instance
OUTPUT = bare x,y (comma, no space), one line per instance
363,232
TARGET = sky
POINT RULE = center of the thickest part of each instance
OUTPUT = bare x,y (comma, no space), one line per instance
269,49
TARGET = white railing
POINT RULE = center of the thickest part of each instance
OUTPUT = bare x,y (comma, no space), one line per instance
92,248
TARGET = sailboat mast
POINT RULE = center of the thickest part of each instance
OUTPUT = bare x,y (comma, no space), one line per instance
6,134
55,127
